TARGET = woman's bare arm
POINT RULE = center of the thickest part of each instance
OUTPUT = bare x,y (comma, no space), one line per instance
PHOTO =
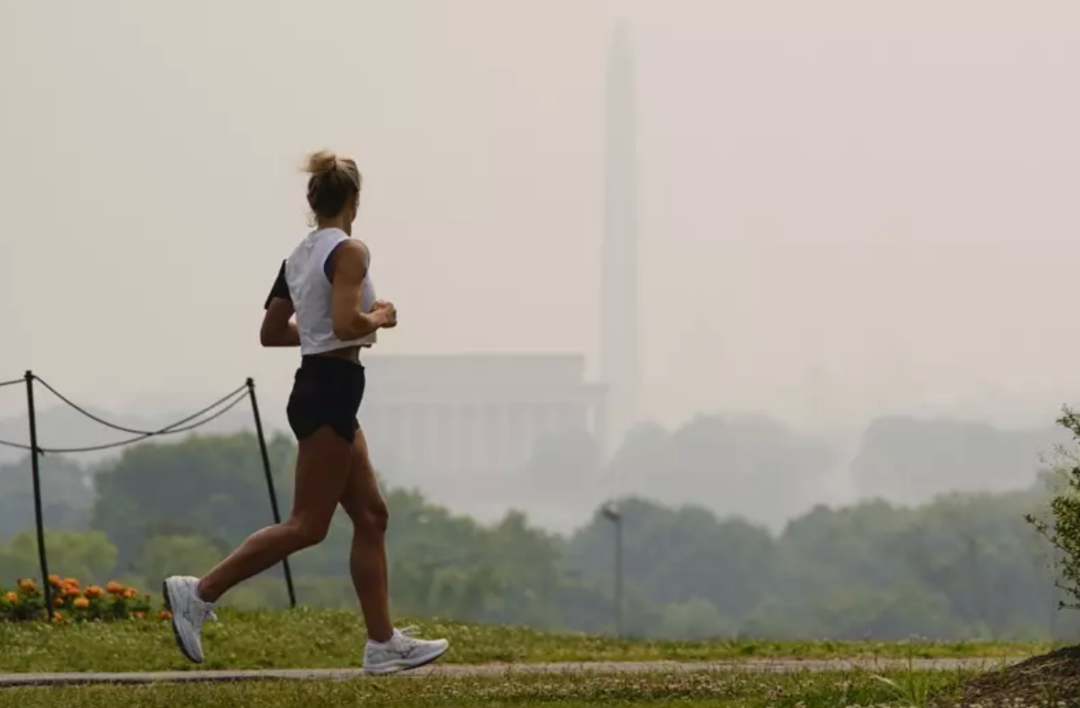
278,329
347,271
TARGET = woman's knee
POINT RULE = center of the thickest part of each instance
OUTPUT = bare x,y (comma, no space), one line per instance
308,532
373,518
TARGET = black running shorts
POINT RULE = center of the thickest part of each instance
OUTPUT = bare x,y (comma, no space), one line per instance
326,391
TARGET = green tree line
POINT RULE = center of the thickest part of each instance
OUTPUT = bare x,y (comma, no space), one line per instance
964,566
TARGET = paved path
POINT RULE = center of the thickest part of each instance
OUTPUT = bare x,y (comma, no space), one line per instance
451,670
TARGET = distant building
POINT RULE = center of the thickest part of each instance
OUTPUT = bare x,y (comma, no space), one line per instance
464,418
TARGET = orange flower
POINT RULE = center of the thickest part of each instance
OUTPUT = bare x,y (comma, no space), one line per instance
57,617
93,591
165,615
27,585
58,601
114,588
71,581
131,594
71,591
54,580
12,597
82,603
140,614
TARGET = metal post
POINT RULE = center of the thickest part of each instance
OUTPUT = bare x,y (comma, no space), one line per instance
618,578
270,484
612,513
39,518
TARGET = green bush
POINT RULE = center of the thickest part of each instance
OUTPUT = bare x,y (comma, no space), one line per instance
1062,530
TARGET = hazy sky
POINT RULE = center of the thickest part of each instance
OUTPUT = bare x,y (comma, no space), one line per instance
845,206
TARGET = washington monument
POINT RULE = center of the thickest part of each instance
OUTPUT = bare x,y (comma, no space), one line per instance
619,367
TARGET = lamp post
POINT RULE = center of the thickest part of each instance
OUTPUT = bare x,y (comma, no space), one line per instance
611,513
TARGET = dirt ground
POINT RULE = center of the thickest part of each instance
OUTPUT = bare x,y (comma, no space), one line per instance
1050,680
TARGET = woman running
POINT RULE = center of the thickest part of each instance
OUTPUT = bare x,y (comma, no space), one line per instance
326,283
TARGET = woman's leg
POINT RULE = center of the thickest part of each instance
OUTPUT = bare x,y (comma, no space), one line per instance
387,650
322,467
363,502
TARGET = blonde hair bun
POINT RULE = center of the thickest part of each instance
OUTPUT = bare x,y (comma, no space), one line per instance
321,162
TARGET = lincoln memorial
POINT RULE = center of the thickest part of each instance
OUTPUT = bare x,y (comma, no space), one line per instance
476,417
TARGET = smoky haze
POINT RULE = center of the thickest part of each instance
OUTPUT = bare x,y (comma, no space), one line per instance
855,223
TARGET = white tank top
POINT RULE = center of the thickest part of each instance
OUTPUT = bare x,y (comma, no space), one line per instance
310,291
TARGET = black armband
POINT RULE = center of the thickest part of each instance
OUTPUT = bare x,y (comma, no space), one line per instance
279,289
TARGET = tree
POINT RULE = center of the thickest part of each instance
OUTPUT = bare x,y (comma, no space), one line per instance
212,486
912,461
163,556
693,619
562,478
86,556
67,495
742,465
679,556
1063,530
955,566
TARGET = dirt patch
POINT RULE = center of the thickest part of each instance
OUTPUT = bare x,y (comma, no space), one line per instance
1048,680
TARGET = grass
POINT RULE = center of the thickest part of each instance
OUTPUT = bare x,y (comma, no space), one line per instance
307,638
566,690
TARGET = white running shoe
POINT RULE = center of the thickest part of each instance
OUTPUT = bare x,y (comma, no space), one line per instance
188,614
402,652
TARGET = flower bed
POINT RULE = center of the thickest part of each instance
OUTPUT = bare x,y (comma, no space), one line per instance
73,602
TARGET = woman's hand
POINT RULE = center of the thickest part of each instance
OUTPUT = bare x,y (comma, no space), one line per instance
389,312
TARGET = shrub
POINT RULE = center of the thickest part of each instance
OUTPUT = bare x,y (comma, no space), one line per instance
73,602
1063,530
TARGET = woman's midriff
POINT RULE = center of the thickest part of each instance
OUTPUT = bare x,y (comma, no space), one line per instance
347,353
